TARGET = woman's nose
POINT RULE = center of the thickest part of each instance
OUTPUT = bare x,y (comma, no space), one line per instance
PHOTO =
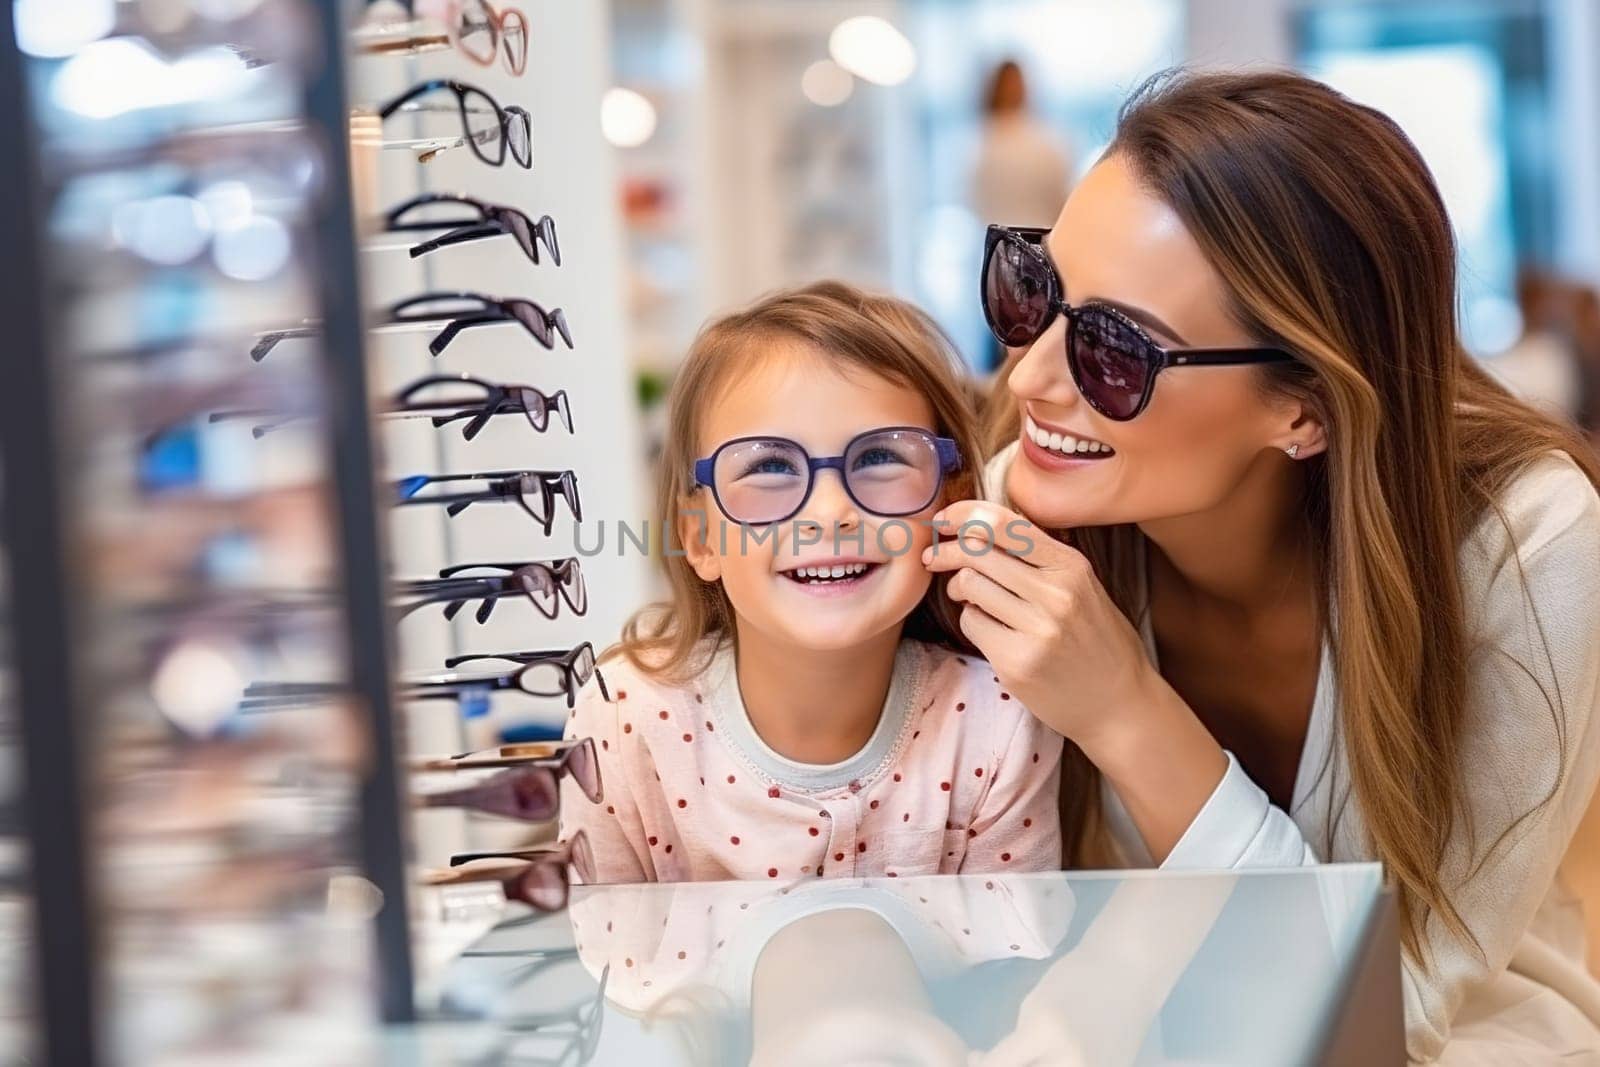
1042,372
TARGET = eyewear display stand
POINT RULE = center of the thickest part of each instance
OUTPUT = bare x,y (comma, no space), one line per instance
121,639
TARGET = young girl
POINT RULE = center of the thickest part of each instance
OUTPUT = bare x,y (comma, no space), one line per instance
803,706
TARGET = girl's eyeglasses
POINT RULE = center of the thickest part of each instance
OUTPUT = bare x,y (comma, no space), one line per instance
487,128
545,584
487,220
893,471
562,758
1112,359
535,876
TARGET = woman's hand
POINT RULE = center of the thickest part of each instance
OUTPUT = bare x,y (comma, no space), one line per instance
1038,613
1035,609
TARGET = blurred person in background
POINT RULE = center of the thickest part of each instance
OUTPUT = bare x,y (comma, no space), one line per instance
1543,366
1024,168
1586,334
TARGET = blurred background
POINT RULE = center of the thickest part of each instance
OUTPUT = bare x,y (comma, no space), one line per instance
762,143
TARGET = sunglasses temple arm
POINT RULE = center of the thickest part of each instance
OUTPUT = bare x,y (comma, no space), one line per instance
470,232
448,334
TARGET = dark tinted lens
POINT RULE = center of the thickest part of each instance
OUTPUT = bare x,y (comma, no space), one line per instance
582,858
895,472
516,224
1016,293
534,407
569,489
483,130
543,885
532,318
526,793
1111,362
581,766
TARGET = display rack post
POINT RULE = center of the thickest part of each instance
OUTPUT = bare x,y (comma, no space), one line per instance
383,845
51,706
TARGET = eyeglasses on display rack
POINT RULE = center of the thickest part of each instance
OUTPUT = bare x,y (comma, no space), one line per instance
458,311
478,31
577,666
485,221
491,131
477,401
537,877
544,584
525,487
552,760
557,675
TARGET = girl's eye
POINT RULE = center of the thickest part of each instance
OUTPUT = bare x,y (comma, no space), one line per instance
769,465
876,457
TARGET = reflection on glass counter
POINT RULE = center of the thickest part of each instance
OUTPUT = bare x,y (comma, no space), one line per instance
1056,968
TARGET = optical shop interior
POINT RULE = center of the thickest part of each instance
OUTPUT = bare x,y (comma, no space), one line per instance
792,532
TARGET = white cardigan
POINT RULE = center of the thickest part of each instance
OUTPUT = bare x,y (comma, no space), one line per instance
1528,998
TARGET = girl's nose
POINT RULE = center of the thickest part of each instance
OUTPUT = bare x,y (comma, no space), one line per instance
830,505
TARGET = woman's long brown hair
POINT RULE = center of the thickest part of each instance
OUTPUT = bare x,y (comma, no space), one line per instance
857,331
1333,242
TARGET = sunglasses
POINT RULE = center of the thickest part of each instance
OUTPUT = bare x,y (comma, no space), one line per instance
520,486
488,129
535,876
487,220
894,471
459,311
477,401
544,584
574,759
1113,361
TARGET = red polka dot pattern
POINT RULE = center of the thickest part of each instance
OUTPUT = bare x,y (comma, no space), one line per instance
772,872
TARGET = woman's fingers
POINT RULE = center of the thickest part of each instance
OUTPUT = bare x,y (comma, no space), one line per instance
971,586
985,526
984,631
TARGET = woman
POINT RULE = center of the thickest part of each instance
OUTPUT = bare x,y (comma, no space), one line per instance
1342,592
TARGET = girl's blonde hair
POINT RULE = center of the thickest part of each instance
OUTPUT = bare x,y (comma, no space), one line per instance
1347,259
857,330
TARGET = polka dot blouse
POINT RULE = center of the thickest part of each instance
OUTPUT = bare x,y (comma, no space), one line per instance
957,777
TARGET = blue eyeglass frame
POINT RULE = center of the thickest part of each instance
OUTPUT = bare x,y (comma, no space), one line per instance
948,451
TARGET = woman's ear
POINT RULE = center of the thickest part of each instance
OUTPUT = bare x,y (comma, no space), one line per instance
1305,435
694,534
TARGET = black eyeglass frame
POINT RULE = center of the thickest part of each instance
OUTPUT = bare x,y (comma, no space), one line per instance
492,220
499,398
502,485
474,139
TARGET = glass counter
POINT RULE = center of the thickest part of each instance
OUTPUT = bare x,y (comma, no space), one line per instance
1139,967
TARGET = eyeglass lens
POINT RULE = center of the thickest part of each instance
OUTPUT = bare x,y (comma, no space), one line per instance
896,472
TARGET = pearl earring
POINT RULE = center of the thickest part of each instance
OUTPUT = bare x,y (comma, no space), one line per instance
1292,451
